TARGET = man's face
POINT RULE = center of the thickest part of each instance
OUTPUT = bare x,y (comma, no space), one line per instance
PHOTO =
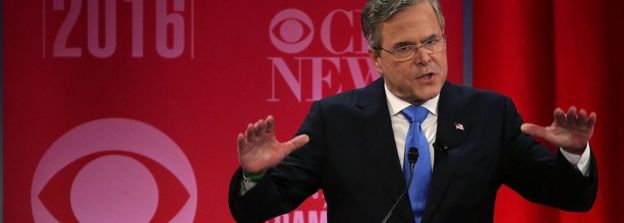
421,78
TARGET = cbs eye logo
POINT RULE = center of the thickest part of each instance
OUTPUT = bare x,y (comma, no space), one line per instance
114,170
291,31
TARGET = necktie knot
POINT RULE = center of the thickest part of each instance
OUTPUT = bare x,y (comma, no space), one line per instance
415,113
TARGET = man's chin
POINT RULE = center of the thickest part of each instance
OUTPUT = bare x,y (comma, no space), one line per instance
428,93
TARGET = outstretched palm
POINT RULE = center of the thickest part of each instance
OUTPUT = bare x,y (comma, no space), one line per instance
570,131
258,149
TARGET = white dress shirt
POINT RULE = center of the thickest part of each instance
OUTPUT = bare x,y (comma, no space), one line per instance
400,124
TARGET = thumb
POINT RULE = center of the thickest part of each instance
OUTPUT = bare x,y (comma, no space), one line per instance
534,130
296,142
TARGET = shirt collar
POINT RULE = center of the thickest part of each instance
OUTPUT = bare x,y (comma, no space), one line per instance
396,105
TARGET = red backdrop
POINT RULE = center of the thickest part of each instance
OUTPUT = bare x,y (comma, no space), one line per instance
104,99
123,110
545,54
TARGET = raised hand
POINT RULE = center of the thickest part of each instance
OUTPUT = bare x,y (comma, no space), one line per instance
258,149
570,131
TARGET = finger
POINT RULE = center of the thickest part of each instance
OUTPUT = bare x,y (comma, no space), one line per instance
571,116
296,142
539,131
260,125
533,130
559,116
249,133
581,120
240,142
270,123
591,120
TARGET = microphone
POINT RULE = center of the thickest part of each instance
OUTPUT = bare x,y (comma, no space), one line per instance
412,156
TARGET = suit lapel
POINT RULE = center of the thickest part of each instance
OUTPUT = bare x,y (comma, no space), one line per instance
374,122
453,127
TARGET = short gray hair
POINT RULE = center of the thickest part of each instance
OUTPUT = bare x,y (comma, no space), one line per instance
378,11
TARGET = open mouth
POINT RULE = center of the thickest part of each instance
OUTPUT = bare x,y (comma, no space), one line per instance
426,76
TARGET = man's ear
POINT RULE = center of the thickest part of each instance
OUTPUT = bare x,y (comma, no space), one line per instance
376,59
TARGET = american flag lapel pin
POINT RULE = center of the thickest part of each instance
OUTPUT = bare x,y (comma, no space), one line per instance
459,126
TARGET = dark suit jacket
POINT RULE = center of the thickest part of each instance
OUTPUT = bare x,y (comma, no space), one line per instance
352,156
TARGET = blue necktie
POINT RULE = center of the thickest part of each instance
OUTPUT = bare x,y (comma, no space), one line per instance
422,171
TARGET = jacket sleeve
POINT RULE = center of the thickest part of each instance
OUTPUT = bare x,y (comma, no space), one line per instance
539,175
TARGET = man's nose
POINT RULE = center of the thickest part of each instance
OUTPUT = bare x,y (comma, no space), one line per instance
421,57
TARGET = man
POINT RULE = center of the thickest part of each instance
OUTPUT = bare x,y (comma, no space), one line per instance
356,146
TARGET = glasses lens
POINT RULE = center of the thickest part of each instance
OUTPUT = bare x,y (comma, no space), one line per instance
408,52
405,54
434,46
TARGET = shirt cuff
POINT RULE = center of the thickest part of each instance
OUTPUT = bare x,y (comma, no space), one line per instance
249,182
246,185
580,161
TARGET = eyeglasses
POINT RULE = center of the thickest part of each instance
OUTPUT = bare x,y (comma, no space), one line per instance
431,46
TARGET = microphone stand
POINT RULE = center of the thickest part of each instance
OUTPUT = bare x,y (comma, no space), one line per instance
412,156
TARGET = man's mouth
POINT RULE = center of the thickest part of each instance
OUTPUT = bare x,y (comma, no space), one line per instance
425,75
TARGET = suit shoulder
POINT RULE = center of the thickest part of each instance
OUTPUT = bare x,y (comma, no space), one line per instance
372,94
480,96
342,99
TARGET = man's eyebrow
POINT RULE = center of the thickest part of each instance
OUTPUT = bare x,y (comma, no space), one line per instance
407,43
402,44
429,38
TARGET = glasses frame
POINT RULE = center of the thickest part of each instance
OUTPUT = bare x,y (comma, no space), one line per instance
424,46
